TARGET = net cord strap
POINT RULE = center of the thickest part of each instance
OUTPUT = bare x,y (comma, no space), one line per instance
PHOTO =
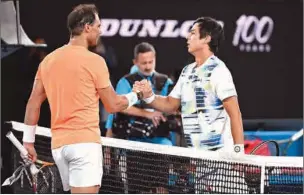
263,174
282,161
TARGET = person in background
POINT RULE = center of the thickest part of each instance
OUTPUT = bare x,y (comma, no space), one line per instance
140,116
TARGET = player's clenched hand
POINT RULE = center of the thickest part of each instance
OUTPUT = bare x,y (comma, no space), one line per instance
143,86
32,155
137,87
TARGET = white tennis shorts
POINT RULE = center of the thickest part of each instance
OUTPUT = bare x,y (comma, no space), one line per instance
80,165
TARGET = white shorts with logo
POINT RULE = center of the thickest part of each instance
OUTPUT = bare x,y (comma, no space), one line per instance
80,165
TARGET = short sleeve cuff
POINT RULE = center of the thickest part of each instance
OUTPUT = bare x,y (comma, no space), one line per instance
104,85
227,93
174,95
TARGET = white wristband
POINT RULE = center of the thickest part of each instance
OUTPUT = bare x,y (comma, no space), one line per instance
132,98
29,133
238,148
149,100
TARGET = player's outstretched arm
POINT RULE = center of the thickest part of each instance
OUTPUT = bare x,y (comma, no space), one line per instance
166,104
114,102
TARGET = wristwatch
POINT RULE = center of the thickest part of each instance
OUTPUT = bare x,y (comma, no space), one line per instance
140,95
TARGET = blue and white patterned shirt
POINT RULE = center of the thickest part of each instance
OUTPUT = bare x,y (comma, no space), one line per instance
201,91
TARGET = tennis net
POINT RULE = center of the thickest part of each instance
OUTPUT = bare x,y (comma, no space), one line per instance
135,167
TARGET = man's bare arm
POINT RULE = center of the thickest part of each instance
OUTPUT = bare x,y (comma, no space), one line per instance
112,101
154,116
31,118
165,104
37,97
135,111
232,108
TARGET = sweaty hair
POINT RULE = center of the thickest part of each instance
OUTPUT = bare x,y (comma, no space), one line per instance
81,15
209,26
143,48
